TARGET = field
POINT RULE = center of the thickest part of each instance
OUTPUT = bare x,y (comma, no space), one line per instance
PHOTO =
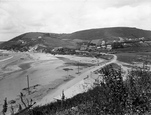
134,57
134,49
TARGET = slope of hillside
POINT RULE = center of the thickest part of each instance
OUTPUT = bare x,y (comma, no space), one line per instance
27,41
111,33
50,40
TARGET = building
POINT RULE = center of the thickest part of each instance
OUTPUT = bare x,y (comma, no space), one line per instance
109,47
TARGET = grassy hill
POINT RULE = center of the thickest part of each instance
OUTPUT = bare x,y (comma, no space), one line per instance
36,39
110,33
51,40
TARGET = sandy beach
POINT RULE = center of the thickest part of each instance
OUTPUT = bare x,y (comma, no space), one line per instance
47,73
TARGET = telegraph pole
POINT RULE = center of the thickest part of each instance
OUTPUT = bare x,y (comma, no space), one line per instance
78,67
28,84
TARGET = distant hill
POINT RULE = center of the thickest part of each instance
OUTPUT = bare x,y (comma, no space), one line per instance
110,33
27,41
35,40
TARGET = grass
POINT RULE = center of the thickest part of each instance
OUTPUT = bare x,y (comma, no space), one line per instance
126,57
133,49
134,57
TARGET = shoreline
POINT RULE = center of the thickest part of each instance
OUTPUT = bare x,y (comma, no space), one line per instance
43,69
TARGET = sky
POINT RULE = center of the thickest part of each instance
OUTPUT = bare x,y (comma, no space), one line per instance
67,16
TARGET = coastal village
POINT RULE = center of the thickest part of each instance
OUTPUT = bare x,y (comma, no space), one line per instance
103,46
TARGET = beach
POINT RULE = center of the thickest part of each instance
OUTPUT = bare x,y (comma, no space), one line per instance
46,72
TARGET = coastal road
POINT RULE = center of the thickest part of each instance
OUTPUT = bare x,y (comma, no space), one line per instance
50,97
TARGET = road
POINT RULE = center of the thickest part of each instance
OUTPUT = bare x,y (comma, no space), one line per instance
50,97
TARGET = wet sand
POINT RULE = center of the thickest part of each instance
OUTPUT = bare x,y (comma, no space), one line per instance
25,66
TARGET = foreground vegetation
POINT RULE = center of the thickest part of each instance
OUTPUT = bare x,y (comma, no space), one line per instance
110,96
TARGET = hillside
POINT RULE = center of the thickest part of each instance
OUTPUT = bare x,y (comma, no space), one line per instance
45,41
110,33
35,40
1,42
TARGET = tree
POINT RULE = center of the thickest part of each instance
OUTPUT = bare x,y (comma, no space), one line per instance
5,106
114,90
19,107
138,88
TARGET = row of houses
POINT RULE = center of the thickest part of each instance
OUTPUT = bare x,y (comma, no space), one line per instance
95,46
109,45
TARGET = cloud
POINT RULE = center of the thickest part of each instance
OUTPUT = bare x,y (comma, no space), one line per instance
123,16
65,16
